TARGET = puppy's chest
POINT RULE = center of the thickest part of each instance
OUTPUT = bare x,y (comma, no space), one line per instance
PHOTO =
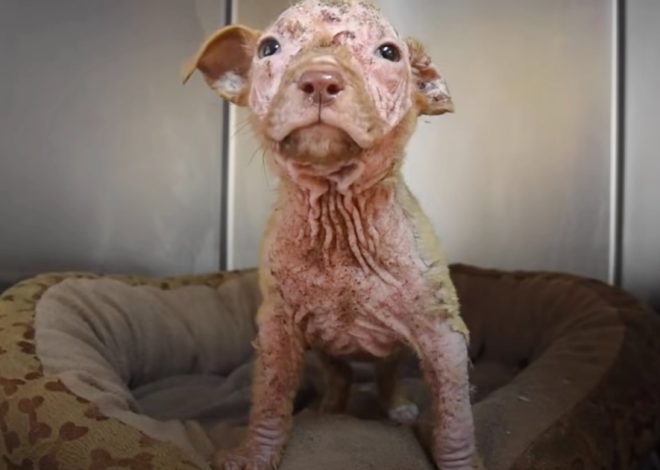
349,281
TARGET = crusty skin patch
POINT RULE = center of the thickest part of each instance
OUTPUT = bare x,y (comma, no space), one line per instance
350,265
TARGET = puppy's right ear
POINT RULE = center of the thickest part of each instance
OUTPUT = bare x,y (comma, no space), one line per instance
225,60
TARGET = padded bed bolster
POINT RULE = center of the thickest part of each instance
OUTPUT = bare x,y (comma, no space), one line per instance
74,348
101,372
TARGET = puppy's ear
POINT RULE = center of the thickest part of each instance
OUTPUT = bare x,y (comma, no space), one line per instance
432,93
225,60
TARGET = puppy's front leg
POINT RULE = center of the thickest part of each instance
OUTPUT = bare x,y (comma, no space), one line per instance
276,378
443,356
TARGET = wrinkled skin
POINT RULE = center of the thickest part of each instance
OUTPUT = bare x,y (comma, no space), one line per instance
350,265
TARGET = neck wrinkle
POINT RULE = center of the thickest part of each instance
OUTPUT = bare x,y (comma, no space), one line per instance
343,223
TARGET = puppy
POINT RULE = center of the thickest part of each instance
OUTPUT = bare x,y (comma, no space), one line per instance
350,266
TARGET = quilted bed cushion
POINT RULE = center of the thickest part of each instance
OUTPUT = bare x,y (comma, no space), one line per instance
101,372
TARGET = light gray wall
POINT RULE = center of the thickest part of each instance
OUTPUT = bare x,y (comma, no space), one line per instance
107,162
641,256
519,177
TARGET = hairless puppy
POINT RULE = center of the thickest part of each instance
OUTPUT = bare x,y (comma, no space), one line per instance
350,266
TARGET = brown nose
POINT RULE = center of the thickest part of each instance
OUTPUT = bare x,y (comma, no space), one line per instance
322,86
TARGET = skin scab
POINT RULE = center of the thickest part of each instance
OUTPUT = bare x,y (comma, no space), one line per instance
329,16
343,37
393,85
344,3
335,3
369,5
292,29
269,69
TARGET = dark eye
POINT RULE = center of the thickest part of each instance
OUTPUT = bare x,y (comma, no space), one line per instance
389,52
269,47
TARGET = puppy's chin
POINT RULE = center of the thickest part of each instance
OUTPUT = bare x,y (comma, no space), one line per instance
319,144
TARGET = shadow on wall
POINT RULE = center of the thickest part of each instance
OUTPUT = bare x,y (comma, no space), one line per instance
120,167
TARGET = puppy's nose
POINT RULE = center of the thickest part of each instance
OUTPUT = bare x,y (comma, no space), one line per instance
322,86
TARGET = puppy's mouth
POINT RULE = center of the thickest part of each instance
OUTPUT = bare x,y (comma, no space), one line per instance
319,144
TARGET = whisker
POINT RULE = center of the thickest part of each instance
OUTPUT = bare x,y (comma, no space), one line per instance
254,154
241,127
264,169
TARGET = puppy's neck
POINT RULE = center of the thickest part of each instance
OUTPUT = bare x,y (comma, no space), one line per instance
344,214
333,225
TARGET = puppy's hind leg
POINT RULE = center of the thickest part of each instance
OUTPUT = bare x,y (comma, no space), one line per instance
399,408
337,375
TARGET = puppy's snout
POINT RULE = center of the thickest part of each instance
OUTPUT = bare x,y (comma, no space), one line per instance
321,86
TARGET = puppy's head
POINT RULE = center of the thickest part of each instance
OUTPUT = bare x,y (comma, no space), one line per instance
328,83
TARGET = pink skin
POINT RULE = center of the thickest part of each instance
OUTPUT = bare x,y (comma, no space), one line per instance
387,83
343,270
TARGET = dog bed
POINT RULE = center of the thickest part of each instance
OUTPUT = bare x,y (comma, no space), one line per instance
124,372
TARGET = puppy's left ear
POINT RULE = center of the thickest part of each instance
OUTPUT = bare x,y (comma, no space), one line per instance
225,60
432,93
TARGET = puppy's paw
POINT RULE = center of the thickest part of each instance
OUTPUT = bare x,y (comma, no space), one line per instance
242,459
404,413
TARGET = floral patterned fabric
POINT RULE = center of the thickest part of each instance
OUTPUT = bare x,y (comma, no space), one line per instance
45,427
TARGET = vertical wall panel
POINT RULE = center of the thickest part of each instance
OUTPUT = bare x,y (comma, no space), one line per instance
641,255
252,188
106,161
519,176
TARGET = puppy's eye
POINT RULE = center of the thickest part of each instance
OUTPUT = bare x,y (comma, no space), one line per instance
269,47
389,52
